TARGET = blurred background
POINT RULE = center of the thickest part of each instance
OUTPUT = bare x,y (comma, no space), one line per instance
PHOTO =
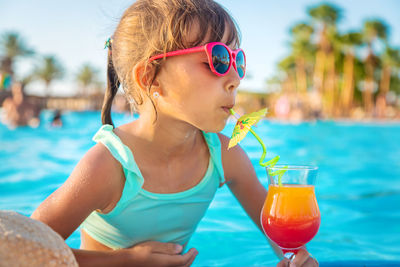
314,60
329,73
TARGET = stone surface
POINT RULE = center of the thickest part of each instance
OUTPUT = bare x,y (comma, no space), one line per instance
28,242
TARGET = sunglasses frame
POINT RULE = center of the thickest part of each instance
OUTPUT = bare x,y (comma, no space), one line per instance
208,49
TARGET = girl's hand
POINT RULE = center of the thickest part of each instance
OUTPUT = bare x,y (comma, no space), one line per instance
152,253
303,259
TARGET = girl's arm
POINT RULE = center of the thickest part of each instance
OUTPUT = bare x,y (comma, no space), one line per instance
244,184
96,183
149,253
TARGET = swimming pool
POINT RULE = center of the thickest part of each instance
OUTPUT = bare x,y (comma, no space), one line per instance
358,186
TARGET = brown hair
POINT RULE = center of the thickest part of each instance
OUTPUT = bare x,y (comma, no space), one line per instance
151,27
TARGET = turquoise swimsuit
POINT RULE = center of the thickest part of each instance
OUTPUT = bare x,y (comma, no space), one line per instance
141,215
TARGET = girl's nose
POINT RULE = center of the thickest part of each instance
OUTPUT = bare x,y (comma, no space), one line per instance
233,80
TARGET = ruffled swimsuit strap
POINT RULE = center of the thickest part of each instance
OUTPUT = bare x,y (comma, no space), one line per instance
122,153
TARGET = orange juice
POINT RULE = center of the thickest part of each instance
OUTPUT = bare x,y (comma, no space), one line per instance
290,216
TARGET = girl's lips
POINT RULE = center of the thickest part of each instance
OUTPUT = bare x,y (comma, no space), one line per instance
227,109
229,106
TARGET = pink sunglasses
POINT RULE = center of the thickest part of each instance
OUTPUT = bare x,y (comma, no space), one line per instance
220,58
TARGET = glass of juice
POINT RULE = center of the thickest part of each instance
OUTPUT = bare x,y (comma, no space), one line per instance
290,216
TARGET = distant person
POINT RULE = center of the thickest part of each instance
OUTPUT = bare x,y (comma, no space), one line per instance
315,105
282,107
141,191
18,110
56,121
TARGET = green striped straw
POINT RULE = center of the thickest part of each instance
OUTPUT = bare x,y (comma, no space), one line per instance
270,163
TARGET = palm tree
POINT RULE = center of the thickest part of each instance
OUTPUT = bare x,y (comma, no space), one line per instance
331,89
347,43
303,52
49,70
287,66
87,76
326,16
390,61
12,46
373,30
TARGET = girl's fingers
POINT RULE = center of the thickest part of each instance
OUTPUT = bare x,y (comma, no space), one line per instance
193,257
301,258
283,263
168,248
164,248
311,262
180,260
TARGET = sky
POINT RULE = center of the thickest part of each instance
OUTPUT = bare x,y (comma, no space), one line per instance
75,31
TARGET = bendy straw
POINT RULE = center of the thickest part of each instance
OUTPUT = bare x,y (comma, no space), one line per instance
242,127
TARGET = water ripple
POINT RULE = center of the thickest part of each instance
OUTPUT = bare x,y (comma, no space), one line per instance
358,186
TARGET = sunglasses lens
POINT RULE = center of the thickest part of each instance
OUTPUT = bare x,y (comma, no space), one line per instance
240,64
220,58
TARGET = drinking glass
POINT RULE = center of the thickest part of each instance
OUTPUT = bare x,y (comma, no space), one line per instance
290,215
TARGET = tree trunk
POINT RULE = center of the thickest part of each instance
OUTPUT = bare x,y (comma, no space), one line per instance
318,77
329,85
289,84
301,75
383,90
347,93
47,89
369,85
320,59
385,80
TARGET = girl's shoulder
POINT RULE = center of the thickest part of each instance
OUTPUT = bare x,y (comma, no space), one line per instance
234,160
233,153
99,158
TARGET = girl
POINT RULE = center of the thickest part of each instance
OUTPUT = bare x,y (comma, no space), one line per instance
140,192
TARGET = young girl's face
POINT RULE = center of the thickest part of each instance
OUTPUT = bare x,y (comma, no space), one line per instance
193,94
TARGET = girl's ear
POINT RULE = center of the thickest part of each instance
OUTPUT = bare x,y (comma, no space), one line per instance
144,77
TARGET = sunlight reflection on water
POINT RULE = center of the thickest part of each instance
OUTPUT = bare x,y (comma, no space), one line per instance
358,185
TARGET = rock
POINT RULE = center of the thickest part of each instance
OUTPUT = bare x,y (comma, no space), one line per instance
28,242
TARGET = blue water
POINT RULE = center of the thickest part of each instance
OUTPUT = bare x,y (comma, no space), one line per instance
358,186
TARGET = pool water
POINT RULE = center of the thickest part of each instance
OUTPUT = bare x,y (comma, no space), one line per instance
357,188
